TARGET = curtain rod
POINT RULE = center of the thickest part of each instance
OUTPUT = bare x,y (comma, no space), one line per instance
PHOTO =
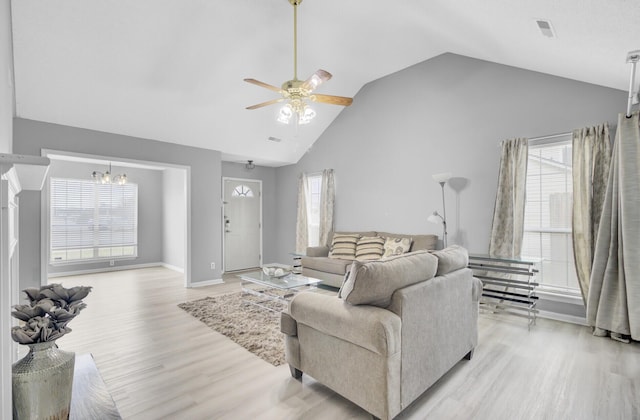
550,136
540,138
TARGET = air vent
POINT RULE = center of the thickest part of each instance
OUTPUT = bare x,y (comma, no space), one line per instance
277,140
546,28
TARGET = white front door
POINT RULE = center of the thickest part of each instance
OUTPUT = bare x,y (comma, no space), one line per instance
242,224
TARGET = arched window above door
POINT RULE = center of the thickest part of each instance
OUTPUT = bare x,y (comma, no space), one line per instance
242,191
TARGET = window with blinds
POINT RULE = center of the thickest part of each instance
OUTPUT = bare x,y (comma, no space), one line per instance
549,200
90,221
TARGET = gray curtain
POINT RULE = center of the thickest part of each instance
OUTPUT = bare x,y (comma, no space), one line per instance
327,199
302,229
613,304
591,159
508,214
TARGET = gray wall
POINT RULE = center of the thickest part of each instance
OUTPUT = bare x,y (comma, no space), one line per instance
173,217
150,211
32,136
269,205
6,78
447,114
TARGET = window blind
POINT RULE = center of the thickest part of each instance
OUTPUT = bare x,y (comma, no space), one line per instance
549,200
90,221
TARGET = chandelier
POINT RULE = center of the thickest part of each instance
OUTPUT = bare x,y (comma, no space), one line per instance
108,178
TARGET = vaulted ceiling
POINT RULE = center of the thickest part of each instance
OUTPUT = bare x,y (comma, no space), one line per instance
173,70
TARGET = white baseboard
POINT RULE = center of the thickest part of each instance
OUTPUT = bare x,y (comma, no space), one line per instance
173,267
104,269
565,297
206,283
563,318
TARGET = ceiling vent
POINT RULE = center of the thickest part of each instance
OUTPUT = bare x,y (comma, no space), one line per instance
275,139
546,28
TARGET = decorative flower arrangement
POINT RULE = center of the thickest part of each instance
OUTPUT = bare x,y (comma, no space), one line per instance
50,309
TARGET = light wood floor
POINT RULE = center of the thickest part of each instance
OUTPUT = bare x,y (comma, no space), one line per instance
159,362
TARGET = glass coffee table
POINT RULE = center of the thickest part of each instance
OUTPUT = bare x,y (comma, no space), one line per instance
274,293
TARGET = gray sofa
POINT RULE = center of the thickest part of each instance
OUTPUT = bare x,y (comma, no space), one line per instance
395,328
331,271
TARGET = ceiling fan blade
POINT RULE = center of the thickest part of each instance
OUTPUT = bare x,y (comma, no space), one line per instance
263,84
271,102
331,99
316,79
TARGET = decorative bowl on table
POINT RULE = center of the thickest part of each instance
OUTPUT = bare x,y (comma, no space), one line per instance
275,271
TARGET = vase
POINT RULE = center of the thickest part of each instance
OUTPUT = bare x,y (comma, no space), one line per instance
42,382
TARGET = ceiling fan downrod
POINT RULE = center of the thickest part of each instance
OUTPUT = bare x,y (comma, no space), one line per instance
295,4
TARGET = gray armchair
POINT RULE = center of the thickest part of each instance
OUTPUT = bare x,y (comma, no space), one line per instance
384,354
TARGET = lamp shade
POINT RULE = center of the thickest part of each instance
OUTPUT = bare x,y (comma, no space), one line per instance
441,177
435,218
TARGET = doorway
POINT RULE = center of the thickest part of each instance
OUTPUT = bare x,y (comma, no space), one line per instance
172,184
242,223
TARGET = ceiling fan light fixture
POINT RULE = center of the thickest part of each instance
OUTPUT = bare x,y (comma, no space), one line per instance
297,109
285,114
307,115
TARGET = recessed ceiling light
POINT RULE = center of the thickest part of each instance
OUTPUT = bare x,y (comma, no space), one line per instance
546,28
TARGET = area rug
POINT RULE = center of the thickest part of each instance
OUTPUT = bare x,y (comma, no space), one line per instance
253,327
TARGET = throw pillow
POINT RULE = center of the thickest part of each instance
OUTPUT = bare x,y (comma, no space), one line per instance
343,246
396,246
451,259
369,248
373,282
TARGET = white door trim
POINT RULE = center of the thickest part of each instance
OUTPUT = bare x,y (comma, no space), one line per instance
9,281
228,178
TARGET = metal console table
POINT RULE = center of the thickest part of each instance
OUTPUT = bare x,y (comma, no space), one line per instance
509,285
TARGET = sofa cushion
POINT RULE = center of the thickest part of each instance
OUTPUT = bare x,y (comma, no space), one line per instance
326,264
396,246
331,233
451,259
344,246
373,282
369,248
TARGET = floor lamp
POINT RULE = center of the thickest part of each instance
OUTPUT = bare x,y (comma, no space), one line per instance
435,217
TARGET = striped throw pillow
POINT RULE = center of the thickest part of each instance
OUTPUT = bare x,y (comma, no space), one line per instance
369,248
343,246
396,246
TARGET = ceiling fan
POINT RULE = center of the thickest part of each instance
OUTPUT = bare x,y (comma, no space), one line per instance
298,92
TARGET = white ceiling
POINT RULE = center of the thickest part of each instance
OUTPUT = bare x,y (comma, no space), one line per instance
172,70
